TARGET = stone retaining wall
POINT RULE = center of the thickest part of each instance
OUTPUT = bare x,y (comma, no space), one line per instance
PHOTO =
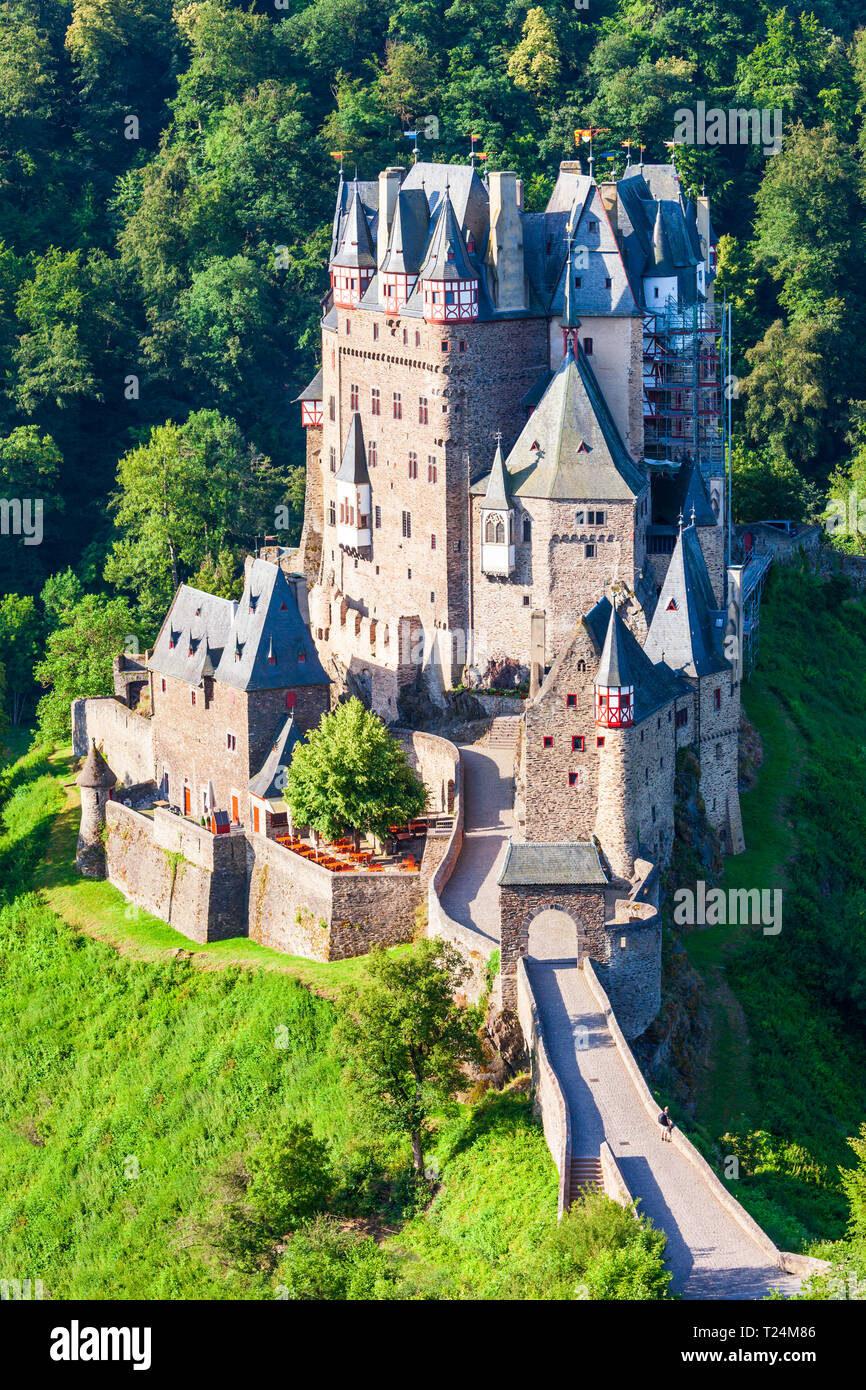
126,738
548,1097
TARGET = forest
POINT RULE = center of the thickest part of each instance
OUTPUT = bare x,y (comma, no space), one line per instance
168,179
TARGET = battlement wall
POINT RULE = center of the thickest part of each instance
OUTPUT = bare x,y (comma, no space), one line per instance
126,738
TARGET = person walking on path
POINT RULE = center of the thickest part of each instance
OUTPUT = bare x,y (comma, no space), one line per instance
667,1125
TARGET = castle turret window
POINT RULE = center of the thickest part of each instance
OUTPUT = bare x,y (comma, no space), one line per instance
494,530
398,406
547,741
413,464
353,396
422,410
527,529
571,702
578,743
431,468
375,401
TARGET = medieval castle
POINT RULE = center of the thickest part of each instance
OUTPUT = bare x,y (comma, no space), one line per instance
515,478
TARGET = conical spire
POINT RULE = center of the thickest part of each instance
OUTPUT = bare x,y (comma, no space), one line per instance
683,625
448,258
353,468
613,669
96,772
498,494
356,244
660,255
569,315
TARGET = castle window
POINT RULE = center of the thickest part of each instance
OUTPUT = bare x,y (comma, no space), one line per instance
592,226
577,282
407,525
332,514
417,337
408,574
527,529
413,465
444,340
422,410
378,514
290,699
526,600
574,779
375,332
348,321
431,468
578,743
372,454
608,282
398,406
462,345
581,665
571,702
457,547
494,530
449,296
332,459
646,774
547,741
718,752
589,551
375,401
717,699
654,815
231,742
332,408
405,336
192,697
587,346
163,684
595,518
432,542
599,742
682,718
353,396
656,292
578,518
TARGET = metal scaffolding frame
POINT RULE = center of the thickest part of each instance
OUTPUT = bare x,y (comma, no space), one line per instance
682,387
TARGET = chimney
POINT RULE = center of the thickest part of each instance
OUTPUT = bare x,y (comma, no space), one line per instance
389,186
702,220
505,252
611,203
537,641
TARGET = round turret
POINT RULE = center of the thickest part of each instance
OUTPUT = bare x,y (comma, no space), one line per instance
96,781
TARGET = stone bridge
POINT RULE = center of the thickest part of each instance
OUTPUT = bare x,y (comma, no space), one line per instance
599,1117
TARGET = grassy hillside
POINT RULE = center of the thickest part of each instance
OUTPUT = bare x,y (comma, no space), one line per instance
789,1083
133,1082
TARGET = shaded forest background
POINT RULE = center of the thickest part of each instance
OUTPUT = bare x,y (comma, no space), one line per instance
167,194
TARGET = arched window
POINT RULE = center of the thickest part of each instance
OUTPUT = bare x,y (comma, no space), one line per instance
494,530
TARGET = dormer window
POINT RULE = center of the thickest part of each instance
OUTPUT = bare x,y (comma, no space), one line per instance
470,245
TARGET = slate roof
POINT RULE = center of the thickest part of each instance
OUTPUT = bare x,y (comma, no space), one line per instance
615,669
581,455
353,468
685,631
96,772
268,783
655,684
679,494
564,863
367,192
657,239
447,257
206,635
313,390
497,494
356,242
409,232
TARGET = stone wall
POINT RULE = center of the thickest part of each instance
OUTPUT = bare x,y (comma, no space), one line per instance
718,744
178,872
126,738
548,1097
297,906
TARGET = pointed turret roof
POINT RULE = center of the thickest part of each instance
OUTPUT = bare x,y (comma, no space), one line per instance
569,310
687,629
614,668
96,772
570,447
661,260
497,495
353,468
447,258
408,233
680,494
356,244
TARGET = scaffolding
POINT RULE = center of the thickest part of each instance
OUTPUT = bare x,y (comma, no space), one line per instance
682,388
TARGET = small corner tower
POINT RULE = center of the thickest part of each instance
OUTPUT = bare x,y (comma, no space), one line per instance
449,281
616,824
96,781
354,264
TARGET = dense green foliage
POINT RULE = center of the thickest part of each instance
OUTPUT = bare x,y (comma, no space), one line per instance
352,774
168,186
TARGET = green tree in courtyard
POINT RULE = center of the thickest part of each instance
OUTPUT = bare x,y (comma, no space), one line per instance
404,1038
351,774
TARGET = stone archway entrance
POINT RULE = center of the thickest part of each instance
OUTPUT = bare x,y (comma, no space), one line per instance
553,935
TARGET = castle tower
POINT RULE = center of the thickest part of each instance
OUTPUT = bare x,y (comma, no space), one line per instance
96,780
616,815
355,262
497,521
449,282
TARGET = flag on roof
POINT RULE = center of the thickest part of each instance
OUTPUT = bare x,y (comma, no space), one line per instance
411,134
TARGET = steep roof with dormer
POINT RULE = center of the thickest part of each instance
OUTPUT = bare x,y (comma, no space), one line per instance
269,781
570,447
260,642
687,630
